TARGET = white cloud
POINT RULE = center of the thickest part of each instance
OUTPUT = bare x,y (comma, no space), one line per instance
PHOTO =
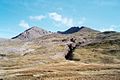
24,24
111,28
61,19
55,16
65,20
36,18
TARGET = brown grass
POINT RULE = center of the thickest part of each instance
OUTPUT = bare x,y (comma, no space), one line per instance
65,71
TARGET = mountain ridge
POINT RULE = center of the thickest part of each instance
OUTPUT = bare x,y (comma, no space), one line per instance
35,32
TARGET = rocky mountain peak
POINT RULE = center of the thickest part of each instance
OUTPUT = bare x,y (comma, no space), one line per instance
33,32
70,30
77,29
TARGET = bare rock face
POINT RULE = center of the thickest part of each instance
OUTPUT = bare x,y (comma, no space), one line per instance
31,33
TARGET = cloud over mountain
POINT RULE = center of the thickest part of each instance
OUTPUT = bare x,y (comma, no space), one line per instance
61,19
24,24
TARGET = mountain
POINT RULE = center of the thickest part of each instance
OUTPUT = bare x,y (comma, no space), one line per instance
70,30
77,29
31,33
84,54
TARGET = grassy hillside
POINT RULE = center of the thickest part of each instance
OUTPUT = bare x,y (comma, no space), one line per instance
90,56
104,49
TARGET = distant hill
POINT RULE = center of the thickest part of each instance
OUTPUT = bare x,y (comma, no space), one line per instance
77,29
33,32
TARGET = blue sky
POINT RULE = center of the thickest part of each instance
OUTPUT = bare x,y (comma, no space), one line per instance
54,15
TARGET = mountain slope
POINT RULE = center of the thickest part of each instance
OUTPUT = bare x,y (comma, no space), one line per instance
104,47
31,33
85,55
